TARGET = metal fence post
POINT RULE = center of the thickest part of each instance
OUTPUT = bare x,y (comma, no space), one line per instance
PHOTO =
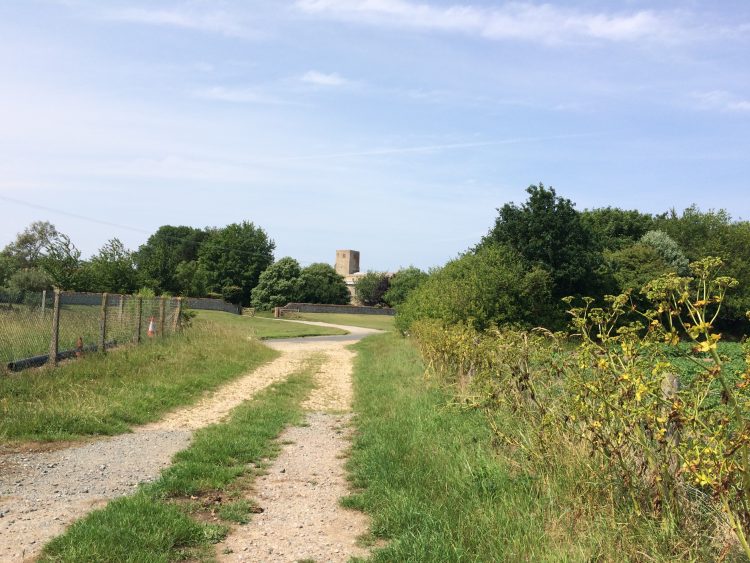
177,315
122,307
162,307
55,339
138,319
44,301
103,323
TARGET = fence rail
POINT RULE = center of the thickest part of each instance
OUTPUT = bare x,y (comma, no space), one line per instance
45,327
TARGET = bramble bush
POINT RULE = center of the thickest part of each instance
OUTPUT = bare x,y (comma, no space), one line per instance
668,435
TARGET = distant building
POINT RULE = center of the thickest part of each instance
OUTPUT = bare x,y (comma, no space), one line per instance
347,265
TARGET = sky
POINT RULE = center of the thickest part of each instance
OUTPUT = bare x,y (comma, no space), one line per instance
392,127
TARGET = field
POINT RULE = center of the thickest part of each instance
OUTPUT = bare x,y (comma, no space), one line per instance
25,331
444,482
107,394
263,327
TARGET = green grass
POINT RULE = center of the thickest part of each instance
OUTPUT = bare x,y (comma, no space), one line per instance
155,523
107,394
439,487
381,322
264,328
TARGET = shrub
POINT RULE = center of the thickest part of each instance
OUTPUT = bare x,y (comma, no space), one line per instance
319,283
402,284
278,285
491,285
370,289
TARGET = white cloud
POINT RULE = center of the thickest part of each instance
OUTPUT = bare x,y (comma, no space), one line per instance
323,79
721,100
513,20
211,22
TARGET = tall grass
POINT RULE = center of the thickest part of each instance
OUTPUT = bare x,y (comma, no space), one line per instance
441,487
108,393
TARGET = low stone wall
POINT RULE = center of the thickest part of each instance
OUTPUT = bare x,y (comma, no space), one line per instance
208,304
342,309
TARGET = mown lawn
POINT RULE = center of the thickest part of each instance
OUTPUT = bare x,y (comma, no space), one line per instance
380,322
264,327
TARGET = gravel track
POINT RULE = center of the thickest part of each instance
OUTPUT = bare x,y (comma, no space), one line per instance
41,493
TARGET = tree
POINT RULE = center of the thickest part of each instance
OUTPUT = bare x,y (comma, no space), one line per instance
191,278
112,269
7,268
402,284
320,283
158,259
615,228
42,246
278,285
548,231
31,244
29,279
635,265
490,285
235,256
370,288
668,250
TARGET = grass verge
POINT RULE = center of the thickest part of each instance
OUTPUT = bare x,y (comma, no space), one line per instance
107,394
265,328
380,322
439,488
181,515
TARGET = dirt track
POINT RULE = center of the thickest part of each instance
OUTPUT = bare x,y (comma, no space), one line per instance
41,493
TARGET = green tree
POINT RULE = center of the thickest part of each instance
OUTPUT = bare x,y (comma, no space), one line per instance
320,283
635,265
7,268
191,278
112,269
370,289
235,256
157,260
278,285
402,284
491,285
548,231
29,279
614,228
42,246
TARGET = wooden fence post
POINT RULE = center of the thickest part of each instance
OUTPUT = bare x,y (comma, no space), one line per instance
55,339
103,323
138,319
177,315
44,301
162,307
122,307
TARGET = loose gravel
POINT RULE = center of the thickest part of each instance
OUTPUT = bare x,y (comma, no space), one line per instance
41,493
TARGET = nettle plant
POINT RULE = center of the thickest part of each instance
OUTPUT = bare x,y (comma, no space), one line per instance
663,427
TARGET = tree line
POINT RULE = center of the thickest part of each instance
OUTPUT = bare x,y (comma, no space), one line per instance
227,263
543,250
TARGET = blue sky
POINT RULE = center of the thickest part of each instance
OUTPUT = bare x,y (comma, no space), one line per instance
394,127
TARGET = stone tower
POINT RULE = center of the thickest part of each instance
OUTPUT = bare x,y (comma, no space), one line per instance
347,262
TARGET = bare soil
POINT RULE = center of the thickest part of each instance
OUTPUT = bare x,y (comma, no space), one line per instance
42,492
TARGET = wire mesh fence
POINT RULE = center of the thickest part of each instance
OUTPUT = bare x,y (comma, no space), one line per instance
37,327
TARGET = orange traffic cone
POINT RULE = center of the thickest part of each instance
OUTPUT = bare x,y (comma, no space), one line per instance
151,327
